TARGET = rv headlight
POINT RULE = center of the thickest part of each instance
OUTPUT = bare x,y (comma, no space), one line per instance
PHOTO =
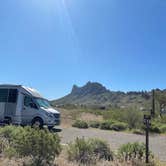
50,115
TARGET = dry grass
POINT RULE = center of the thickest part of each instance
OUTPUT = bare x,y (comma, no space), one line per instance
63,161
14,161
68,117
88,117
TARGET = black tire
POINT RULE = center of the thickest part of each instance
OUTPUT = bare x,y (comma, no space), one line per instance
37,123
50,127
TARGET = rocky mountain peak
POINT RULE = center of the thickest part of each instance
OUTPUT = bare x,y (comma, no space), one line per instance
89,88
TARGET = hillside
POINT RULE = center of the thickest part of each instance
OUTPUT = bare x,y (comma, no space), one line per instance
94,93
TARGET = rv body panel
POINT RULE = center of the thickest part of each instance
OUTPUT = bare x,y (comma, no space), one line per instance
2,110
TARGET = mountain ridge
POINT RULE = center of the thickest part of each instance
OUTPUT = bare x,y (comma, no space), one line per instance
94,93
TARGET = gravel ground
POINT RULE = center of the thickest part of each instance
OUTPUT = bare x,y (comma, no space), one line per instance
116,139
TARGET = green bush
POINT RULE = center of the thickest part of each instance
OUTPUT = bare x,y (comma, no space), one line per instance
80,124
88,151
10,152
119,126
115,114
131,151
113,125
41,145
133,118
163,128
101,149
106,125
94,124
130,116
80,151
155,128
163,119
4,144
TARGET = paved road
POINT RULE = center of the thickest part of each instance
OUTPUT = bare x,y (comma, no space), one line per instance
157,142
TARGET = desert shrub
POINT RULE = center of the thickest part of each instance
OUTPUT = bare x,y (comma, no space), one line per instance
101,149
80,151
115,114
163,128
138,131
113,125
163,119
155,128
4,144
80,124
41,145
10,152
69,106
132,151
119,126
106,125
94,124
92,110
133,118
88,151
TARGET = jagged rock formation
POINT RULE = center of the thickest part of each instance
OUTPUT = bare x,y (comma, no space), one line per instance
94,93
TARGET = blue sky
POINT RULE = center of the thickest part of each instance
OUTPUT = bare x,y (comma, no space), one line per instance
52,44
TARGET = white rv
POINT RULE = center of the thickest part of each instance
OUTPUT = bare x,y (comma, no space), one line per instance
25,106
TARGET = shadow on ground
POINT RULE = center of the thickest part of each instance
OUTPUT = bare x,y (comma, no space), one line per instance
56,130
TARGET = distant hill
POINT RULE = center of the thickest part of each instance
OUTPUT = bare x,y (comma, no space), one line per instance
94,93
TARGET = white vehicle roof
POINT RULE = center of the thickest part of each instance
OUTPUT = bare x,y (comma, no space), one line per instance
31,91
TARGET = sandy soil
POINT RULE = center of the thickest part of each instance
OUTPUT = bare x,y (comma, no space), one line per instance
116,139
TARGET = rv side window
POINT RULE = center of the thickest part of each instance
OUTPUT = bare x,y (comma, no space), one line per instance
12,95
8,95
28,102
3,95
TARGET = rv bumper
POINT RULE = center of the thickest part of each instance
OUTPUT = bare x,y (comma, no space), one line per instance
52,121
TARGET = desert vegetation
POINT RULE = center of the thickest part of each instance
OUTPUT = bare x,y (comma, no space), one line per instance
118,111
116,119
27,146
40,147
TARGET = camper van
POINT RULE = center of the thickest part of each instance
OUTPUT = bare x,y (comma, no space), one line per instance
21,105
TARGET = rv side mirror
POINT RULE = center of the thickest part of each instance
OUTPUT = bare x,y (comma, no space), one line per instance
33,105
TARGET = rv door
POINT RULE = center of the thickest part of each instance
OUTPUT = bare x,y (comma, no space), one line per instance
29,110
8,102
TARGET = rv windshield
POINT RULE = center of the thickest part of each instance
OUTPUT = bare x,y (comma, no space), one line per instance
42,103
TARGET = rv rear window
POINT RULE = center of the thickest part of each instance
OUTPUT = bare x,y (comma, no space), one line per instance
3,95
8,95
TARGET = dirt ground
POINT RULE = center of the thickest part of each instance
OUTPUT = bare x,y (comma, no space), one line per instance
69,116
116,139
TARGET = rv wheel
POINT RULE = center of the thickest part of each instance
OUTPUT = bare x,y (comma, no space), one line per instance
37,123
8,120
